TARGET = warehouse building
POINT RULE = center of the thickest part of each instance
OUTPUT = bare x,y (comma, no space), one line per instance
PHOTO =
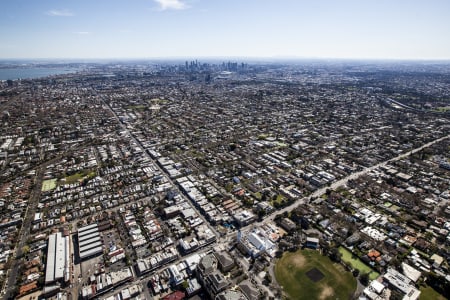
58,259
89,241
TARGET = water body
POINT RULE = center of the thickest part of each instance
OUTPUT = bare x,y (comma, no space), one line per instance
30,73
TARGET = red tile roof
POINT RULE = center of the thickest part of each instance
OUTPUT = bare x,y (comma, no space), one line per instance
175,296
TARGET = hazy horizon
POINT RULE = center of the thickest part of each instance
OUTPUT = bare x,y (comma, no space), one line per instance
218,59
235,29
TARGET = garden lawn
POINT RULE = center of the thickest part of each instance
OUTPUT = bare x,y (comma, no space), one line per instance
79,176
428,293
48,185
356,263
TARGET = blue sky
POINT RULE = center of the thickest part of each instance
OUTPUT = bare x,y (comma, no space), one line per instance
374,29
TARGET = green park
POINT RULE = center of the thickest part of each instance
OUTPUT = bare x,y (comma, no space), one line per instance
307,274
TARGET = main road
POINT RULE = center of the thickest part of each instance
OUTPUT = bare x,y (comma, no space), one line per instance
24,233
159,168
341,182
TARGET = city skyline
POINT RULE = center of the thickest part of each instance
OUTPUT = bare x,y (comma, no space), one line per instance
248,29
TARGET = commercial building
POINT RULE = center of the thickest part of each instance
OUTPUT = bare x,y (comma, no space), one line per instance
231,295
255,243
401,283
312,242
210,277
58,259
176,276
89,241
244,217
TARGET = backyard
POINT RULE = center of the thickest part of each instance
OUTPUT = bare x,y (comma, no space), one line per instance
356,263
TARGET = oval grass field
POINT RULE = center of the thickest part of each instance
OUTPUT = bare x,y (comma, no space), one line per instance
306,274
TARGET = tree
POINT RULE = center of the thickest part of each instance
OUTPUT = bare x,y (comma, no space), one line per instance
355,273
261,214
304,223
335,255
395,263
325,249
25,249
185,284
364,279
439,283
127,260
263,295
229,187
396,295
278,217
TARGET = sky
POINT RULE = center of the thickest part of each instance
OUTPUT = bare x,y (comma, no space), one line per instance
145,29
